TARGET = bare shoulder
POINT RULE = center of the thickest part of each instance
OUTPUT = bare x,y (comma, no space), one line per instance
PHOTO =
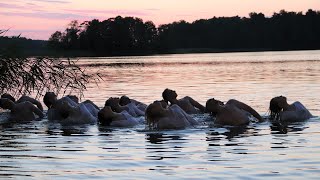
26,98
233,101
23,105
28,104
187,98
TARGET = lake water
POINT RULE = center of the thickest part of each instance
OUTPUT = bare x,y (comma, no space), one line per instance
46,150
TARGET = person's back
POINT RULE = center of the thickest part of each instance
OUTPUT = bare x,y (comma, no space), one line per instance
134,110
281,110
302,110
187,106
110,118
298,112
232,115
77,115
25,111
124,119
175,119
246,108
53,113
31,100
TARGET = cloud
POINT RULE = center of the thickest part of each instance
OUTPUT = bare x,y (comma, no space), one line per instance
10,6
44,15
110,12
53,1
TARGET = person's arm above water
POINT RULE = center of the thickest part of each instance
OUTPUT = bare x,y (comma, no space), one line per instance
196,104
37,111
245,107
32,100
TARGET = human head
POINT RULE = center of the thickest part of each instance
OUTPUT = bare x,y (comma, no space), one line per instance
8,96
6,103
113,103
169,95
105,116
163,103
276,106
212,106
74,98
124,100
49,98
153,112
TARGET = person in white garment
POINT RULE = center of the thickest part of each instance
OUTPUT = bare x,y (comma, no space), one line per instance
108,117
131,107
161,116
124,100
54,113
281,110
74,115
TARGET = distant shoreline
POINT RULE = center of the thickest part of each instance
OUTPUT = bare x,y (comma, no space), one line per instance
74,54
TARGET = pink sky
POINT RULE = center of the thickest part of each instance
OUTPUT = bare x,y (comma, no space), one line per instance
38,19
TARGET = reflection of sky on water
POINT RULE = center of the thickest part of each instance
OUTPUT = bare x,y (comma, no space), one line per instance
47,150
250,77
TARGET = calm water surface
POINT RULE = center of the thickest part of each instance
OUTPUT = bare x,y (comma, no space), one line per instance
46,150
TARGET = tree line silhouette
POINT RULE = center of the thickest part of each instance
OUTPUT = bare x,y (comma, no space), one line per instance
129,35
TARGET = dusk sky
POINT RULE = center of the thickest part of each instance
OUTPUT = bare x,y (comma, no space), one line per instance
38,19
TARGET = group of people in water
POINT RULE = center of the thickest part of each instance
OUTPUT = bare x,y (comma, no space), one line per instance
168,113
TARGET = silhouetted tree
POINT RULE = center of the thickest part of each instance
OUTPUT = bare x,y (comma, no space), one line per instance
55,40
128,35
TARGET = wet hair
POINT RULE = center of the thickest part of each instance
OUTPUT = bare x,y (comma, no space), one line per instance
105,121
8,96
124,100
151,115
275,109
3,105
209,101
165,95
109,103
46,99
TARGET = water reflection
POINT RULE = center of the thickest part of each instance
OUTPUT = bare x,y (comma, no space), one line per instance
160,138
286,127
46,150
230,133
164,146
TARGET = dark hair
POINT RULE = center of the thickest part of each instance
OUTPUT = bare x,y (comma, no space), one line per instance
46,99
151,115
8,96
109,103
103,120
215,101
275,109
124,100
165,95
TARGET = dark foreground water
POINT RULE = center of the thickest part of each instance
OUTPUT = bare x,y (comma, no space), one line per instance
46,150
